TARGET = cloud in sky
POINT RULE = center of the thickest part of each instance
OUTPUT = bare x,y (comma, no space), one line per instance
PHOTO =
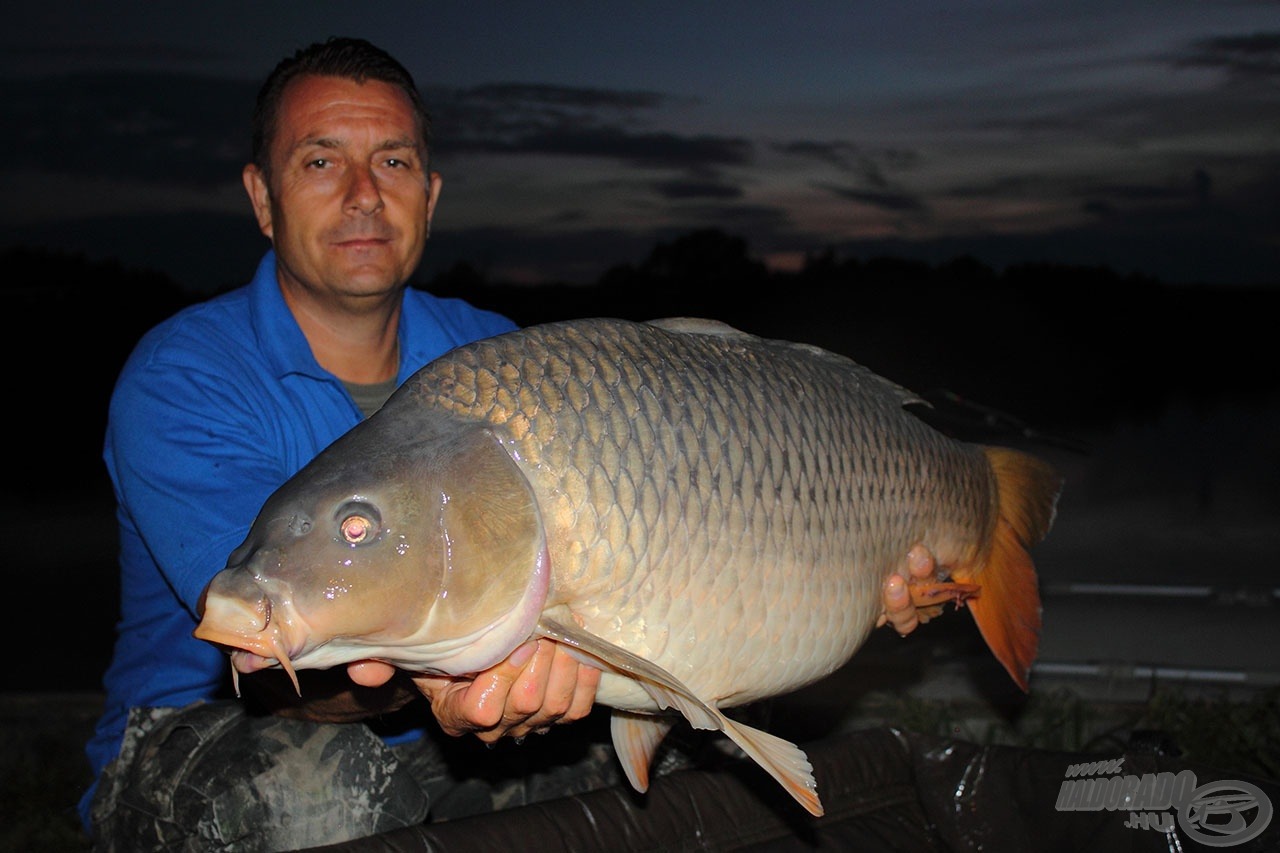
1255,56
1078,133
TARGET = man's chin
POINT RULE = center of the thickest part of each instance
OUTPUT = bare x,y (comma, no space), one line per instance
368,279
376,267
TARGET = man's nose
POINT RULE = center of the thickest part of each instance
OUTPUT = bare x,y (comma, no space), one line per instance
363,195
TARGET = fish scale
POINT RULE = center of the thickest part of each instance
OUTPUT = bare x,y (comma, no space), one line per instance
705,515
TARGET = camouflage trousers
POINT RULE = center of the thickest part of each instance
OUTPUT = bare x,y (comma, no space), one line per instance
213,777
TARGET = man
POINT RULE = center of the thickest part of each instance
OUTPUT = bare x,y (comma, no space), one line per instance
219,405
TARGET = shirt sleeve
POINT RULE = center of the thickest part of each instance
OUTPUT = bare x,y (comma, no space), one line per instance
193,460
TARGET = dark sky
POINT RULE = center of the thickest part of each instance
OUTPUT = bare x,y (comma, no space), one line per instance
1141,135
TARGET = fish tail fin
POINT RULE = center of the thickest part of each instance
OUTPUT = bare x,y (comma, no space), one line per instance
1008,608
1028,489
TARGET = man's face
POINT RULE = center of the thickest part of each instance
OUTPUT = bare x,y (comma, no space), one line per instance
349,202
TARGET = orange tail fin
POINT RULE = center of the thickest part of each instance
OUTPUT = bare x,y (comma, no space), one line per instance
1008,608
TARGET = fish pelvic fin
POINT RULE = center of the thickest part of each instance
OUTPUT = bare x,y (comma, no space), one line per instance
1007,610
636,738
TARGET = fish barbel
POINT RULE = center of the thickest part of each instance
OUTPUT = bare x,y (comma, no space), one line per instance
705,515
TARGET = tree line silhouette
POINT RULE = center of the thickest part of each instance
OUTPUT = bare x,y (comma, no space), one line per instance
1059,344
1053,346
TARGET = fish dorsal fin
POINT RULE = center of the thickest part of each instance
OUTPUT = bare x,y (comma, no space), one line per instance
783,760
699,326
716,328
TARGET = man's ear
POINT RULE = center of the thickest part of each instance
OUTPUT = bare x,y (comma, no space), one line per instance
434,182
255,184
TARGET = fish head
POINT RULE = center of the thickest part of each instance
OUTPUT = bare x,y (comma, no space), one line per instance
414,540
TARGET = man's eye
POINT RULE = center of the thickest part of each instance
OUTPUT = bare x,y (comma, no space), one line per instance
397,163
318,163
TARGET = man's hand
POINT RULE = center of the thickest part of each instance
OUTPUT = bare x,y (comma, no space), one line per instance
898,609
538,685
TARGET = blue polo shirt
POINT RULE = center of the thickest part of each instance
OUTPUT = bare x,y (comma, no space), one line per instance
215,408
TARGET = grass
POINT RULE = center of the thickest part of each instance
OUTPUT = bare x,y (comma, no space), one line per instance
43,769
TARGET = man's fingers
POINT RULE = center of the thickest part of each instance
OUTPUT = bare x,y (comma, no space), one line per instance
530,677
898,609
570,690
500,697
478,704
552,688
538,685
561,684
449,702
370,673
920,563
584,691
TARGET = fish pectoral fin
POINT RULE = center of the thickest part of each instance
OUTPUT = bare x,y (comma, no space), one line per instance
781,759
636,738
665,688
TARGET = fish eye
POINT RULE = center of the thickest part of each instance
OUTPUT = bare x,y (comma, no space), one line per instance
358,523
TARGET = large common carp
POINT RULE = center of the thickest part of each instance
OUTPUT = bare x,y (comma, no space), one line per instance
706,515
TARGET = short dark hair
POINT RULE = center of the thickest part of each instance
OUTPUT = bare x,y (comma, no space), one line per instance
349,58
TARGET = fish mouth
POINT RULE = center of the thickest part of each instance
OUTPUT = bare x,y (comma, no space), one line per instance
246,629
243,660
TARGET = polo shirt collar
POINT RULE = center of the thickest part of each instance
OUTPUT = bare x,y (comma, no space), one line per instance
279,337
281,340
